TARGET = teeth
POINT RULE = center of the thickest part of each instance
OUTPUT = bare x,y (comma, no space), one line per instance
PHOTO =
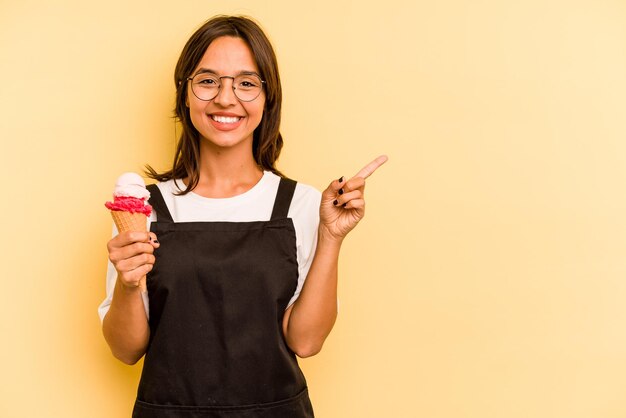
225,119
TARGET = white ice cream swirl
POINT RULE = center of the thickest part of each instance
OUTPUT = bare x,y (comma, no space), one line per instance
131,185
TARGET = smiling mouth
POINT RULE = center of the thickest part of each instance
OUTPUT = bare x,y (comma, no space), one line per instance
226,119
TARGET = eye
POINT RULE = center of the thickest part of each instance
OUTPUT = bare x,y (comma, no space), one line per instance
248,82
206,80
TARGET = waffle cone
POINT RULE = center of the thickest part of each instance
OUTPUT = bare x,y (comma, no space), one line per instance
127,221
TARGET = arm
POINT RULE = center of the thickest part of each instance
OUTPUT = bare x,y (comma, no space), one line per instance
125,326
310,319
307,322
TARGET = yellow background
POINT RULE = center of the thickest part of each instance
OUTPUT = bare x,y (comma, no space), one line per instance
488,277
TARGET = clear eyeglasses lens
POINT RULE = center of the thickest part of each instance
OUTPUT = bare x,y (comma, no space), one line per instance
247,87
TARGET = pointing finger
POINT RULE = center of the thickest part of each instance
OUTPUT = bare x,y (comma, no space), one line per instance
369,169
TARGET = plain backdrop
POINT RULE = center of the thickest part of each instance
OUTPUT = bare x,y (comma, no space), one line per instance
487,279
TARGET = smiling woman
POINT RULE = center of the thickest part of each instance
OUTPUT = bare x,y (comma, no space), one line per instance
240,261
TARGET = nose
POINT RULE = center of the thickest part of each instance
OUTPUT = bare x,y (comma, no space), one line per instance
226,94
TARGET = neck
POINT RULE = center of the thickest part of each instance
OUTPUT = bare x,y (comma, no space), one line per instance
226,172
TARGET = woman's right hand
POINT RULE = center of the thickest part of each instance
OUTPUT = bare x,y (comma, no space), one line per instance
132,254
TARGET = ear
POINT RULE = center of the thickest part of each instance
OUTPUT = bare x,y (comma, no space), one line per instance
185,93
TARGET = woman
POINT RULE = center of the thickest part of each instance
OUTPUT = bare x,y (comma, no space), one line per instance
228,307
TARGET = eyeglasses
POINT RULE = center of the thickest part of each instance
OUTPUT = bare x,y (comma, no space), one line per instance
206,86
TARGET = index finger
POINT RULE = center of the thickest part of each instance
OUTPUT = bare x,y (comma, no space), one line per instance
130,237
369,169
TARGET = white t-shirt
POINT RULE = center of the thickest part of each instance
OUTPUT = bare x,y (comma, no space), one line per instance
254,205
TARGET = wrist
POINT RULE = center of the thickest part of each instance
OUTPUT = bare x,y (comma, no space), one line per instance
127,289
326,238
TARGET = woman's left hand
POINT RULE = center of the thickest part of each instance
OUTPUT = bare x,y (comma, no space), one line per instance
343,203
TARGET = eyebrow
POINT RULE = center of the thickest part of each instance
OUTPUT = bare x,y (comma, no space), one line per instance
208,70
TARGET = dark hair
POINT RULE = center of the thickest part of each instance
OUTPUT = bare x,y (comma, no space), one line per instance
267,140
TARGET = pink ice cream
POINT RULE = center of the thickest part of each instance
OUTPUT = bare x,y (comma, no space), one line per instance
130,195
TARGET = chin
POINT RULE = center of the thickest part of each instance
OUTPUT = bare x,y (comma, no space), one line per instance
225,142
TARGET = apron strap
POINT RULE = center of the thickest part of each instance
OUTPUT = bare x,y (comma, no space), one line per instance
158,204
286,188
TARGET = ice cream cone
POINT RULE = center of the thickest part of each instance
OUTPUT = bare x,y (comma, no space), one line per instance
129,208
127,221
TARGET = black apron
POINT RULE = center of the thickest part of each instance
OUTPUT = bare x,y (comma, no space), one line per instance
218,292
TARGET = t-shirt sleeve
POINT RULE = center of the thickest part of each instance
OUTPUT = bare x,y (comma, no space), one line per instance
304,211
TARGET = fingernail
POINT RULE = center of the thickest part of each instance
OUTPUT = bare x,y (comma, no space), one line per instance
341,179
344,205
335,203
340,191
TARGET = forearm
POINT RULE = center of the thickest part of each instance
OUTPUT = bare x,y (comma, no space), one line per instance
311,318
125,326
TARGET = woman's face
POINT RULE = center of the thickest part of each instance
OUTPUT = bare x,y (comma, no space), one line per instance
225,121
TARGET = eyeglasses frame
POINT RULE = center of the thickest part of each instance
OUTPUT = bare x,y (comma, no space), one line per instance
220,87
